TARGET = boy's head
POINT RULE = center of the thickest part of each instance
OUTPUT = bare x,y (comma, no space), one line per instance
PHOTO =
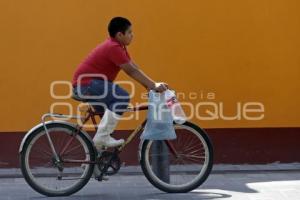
120,29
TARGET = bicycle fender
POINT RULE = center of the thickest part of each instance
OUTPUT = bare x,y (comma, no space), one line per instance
51,122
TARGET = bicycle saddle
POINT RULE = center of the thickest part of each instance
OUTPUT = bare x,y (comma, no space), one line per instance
98,109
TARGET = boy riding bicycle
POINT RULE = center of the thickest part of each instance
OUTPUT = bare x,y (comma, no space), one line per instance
106,60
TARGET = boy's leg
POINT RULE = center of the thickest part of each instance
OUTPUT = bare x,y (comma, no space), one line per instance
116,101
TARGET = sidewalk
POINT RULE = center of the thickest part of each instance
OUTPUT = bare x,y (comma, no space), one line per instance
217,169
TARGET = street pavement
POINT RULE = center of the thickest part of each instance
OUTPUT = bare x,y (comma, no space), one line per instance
239,184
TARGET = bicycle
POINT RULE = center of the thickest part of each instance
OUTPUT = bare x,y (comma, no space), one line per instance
57,157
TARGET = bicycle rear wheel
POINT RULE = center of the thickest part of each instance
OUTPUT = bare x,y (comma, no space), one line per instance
40,168
179,165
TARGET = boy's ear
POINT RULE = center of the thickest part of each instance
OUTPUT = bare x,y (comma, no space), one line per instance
119,34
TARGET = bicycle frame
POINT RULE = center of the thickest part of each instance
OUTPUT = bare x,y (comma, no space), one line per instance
91,115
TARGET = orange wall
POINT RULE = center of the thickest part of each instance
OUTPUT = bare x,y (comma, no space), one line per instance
240,50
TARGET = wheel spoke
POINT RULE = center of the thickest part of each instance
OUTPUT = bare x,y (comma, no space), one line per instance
72,149
194,151
190,159
62,141
192,156
190,148
48,164
39,150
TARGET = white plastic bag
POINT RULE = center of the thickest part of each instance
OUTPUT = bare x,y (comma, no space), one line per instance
159,124
177,112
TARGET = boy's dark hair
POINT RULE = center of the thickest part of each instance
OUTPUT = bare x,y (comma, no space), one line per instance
118,24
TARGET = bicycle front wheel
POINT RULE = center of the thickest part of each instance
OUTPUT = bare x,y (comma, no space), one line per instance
41,169
178,165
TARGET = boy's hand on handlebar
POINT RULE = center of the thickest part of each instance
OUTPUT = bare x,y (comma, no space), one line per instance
160,87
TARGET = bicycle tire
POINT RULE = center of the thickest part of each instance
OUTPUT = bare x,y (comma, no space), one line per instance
37,187
174,189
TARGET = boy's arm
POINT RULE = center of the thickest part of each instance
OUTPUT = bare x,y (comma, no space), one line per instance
137,74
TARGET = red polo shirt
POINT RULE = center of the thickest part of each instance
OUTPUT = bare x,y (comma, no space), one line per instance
105,59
